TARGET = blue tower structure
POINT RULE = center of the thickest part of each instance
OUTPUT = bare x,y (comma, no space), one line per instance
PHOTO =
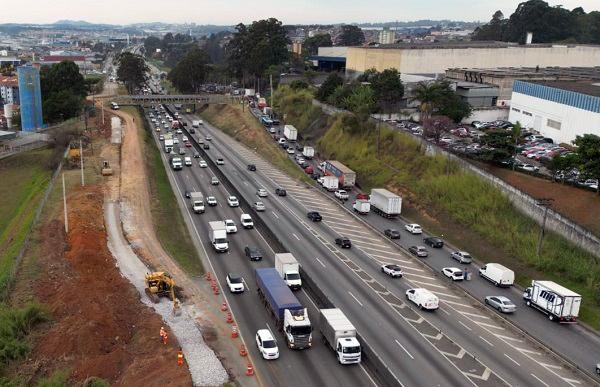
30,96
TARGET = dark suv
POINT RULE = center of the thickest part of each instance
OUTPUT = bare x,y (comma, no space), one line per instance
434,242
314,216
280,192
343,242
253,253
251,167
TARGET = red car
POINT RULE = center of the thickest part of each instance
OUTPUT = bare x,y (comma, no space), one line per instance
188,144
309,170
362,196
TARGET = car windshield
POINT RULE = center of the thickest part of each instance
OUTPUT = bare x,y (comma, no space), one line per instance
507,302
465,255
301,330
269,344
393,267
235,279
293,276
351,350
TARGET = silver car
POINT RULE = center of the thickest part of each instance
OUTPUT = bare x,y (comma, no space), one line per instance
501,303
462,256
258,206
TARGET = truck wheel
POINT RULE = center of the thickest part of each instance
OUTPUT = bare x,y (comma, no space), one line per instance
551,317
528,303
496,283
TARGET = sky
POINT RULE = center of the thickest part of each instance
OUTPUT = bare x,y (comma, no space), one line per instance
230,12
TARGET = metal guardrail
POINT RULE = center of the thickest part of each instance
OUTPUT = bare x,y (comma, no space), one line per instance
152,99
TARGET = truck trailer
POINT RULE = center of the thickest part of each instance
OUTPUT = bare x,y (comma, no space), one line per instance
557,302
385,203
345,175
289,269
290,132
290,316
308,152
362,206
176,163
339,333
168,145
197,201
218,236
330,183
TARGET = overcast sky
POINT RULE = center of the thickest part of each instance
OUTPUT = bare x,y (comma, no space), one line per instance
228,12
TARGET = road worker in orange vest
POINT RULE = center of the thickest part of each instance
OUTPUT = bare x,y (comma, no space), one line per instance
180,357
165,338
162,333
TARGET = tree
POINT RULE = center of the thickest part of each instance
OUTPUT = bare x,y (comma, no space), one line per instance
589,156
328,87
351,36
500,146
191,72
388,89
427,94
311,45
438,97
63,90
361,102
132,70
494,30
436,126
451,105
515,132
151,44
560,165
298,84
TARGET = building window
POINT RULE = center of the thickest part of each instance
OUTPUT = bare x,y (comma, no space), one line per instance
527,113
516,110
553,124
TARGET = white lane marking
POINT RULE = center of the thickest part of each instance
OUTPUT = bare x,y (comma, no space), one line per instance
391,253
417,275
466,327
405,350
511,359
352,232
540,380
318,260
365,244
245,182
275,215
361,238
570,381
445,311
343,224
528,351
459,304
545,365
366,373
295,236
355,299
425,284
490,344
474,315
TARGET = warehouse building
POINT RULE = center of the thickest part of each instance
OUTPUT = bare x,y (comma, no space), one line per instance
561,110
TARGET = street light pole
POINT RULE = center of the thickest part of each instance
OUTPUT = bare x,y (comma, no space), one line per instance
543,202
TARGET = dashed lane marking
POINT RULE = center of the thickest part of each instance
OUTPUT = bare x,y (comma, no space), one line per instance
405,350
466,327
511,359
540,380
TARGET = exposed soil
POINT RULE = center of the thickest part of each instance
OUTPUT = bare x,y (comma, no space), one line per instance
100,327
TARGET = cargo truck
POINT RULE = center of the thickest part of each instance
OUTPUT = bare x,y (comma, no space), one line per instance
218,236
262,103
339,333
290,316
196,123
197,201
289,270
330,183
168,145
362,206
308,152
385,203
176,163
557,302
290,132
346,176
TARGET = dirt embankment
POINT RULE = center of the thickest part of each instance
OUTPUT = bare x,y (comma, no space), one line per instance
100,327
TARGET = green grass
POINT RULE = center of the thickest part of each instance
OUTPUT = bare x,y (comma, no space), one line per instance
24,179
168,221
15,325
242,126
58,378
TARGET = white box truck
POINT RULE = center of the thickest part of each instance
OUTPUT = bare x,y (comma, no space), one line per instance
330,183
557,302
168,145
290,132
289,269
385,203
197,201
308,152
497,274
196,123
218,236
362,206
176,163
339,333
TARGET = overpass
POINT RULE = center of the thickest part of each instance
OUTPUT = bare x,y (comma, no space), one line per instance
153,99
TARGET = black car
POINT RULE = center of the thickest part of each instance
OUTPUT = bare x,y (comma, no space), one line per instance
434,242
343,242
392,233
206,146
192,130
187,194
251,167
253,253
280,192
196,155
275,121
314,216
315,176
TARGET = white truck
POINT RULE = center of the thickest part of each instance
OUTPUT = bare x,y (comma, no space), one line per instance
308,152
197,201
176,163
196,123
290,132
218,236
557,302
362,206
168,145
330,183
498,274
385,203
339,333
289,269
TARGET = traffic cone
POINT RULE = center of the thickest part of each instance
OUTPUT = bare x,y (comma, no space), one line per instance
229,317
234,331
208,276
224,306
215,289
243,351
249,369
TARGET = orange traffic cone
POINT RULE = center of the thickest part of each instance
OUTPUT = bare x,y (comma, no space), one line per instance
229,317
249,369
224,306
234,331
243,351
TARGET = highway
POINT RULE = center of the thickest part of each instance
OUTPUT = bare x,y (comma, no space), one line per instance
373,303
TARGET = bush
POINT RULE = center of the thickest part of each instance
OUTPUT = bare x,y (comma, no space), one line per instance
15,325
57,379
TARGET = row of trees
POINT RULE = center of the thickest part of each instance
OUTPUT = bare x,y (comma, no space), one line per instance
63,91
172,47
548,24
132,70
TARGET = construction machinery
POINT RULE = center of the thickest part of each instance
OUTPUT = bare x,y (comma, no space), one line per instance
106,169
160,284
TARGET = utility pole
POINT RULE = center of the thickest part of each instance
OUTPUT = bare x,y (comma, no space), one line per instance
271,83
378,137
102,110
543,202
65,205
81,162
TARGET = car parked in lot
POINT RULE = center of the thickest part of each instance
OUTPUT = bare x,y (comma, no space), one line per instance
418,251
392,233
343,242
392,270
413,228
258,206
434,242
454,273
314,216
235,283
262,193
501,303
267,346
253,253
230,226
232,201
280,192
461,256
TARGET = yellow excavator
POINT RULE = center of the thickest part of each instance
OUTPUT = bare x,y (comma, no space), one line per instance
160,284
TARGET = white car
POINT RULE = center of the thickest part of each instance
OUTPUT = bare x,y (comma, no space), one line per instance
175,140
220,161
258,206
267,346
341,194
179,131
454,273
461,256
246,221
392,270
235,283
184,138
290,150
230,226
413,228
423,298
262,193
211,201
202,164
161,138
188,161
233,201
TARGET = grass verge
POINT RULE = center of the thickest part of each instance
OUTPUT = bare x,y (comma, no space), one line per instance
168,221
244,127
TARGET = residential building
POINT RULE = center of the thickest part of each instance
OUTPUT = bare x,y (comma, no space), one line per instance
30,98
9,90
387,36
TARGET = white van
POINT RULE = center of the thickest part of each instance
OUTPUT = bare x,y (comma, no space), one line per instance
497,274
188,161
423,298
246,221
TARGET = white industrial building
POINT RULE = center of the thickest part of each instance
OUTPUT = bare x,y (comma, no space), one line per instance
561,110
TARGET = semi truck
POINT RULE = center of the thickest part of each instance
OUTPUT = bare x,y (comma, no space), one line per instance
557,302
168,145
290,132
290,316
385,203
308,152
176,163
197,201
345,175
339,333
362,206
218,236
289,269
